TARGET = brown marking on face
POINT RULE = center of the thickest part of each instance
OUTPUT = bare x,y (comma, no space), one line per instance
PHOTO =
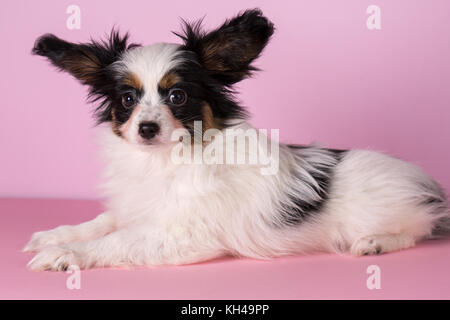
208,118
209,121
169,80
115,123
132,80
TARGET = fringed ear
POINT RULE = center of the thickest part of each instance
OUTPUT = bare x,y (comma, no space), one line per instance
85,61
227,52
88,62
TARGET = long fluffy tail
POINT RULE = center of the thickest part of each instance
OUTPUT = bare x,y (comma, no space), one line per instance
439,206
442,227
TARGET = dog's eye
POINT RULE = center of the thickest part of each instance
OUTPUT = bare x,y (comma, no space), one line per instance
177,97
128,100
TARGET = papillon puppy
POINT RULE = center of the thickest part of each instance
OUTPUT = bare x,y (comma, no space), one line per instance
162,211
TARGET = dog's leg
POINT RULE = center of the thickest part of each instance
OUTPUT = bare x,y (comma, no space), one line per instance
129,247
93,229
377,244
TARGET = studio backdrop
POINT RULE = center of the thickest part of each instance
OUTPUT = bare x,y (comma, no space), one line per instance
345,74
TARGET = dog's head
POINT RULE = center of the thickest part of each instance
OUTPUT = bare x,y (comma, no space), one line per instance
146,92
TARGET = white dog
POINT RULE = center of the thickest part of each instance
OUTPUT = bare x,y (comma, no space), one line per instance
161,211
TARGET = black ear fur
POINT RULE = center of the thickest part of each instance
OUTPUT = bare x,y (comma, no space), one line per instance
85,61
88,62
227,52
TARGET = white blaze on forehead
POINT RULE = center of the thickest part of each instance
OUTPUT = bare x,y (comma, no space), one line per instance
150,64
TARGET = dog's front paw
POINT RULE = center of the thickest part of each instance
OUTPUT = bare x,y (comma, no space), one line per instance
54,258
366,246
40,240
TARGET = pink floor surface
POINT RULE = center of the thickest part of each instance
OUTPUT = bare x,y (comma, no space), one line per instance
420,272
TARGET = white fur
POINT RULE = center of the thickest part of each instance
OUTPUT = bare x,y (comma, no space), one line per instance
162,213
150,64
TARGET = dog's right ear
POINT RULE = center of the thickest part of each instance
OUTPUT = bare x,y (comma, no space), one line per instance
87,62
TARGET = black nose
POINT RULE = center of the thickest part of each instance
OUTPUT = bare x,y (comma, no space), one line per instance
148,130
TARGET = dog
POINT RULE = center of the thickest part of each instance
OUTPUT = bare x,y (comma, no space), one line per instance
165,212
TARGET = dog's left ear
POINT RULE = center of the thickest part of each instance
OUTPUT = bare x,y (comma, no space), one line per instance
90,63
87,62
227,52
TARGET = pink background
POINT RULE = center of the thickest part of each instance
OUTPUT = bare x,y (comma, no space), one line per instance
327,78
420,272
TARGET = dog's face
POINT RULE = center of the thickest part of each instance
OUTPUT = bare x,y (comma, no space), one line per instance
148,92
